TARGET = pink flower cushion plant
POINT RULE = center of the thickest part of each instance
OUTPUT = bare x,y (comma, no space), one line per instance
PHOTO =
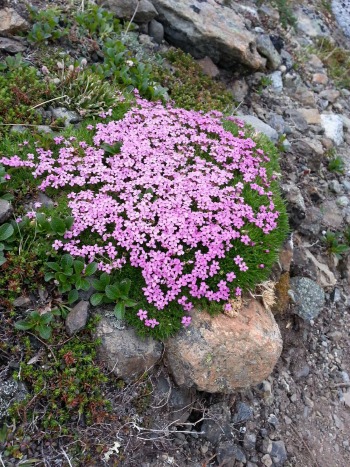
167,196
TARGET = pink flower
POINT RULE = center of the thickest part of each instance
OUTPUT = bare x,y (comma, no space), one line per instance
151,323
238,292
31,215
142,314
186,320
261,266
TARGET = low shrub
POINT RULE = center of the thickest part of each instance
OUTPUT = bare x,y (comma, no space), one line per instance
181,203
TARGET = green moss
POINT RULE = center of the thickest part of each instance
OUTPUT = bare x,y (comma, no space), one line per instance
189,87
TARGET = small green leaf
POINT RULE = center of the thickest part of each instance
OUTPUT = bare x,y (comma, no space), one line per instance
46,318
67,260
6,230
85,284
58,225
96,299
119,310
49,276
55,266
69,222
90,269
124,286
130,303
73,296
113,292
98,285
24,325
78,266
44,331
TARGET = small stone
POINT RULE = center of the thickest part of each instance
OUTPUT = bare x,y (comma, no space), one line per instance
278,453
18,129
125,9
243,413
296,120
22,302
320,78
342,201
77,318
5,210
332,215
240,90
69,116
249,441
307,296
228,452
335,336
266,460
11,22
273,420
314,62
260,126
333,126
45,200
208,67
217,424
335,186
305,97
346,398
11,46
156,31
266,48
277,82
312,116
330,95
124,352
44,129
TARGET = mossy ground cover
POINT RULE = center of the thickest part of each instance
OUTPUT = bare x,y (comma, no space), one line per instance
67,387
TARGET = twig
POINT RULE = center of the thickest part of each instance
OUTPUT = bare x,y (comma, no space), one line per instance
341,385
305,444
44,343
46,102
66,456
132,18
2,463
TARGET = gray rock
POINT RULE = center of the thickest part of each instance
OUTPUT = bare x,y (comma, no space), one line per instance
77,318
310,24
266,48
22,302
346,185
295,203
123,352
333,127
240,90
156,31
249,441
208,67
11,46
125,9
5,210
332,215
228,453
260,126
68,115
217,425
206,29
278,453
342,201
11,22
45,200
277,83
18,129
44,129
178,399
311,225
341,11
10,392
243,413
308,297
296,120
277,122
335,186
287,59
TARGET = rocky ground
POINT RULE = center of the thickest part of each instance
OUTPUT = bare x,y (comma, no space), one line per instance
300,415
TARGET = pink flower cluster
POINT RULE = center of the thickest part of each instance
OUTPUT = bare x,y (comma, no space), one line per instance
169,193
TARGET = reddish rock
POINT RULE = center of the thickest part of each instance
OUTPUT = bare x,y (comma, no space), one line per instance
223,354
208,66
320,78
